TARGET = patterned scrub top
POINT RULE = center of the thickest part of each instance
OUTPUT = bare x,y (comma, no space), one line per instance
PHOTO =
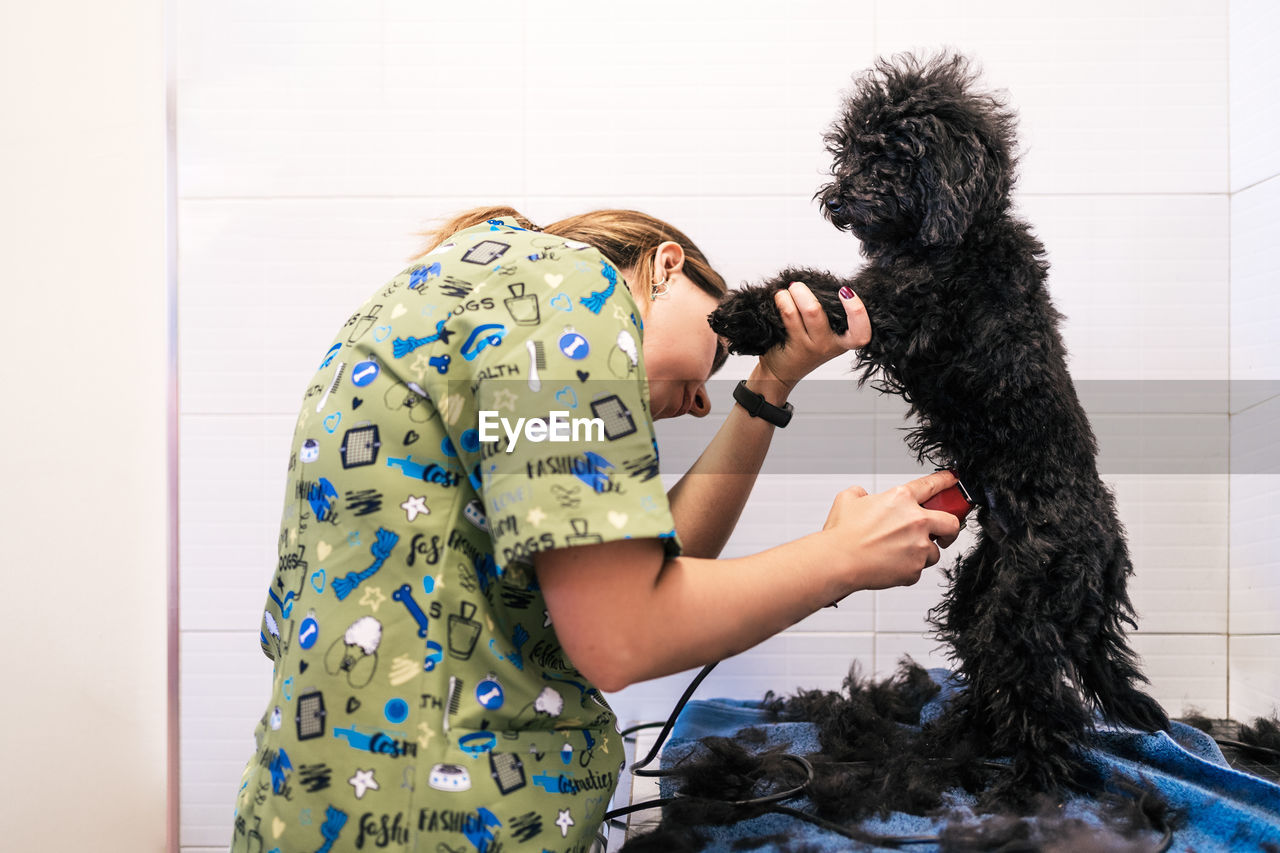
420,698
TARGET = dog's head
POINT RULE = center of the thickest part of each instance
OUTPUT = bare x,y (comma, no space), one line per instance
919,157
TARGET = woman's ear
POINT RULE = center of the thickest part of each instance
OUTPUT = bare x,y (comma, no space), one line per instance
667,259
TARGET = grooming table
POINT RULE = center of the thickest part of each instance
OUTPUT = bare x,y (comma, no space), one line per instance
1222,809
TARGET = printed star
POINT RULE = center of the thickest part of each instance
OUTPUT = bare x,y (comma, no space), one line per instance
418,367
415,506
564,822
536,516
504,399
372,597
362,782
546,621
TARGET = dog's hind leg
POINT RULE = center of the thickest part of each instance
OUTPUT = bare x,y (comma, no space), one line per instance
1013,657
1108,670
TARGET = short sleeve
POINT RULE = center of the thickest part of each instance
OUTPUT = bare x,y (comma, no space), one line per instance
566,445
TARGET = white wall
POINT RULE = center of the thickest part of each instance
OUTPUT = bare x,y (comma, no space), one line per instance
85,378
315,137
1255,360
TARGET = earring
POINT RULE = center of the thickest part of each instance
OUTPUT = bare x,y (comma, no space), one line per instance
659,289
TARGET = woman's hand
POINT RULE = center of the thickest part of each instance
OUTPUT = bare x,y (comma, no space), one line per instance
890,537
810,340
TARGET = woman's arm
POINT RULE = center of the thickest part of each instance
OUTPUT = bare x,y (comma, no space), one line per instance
708,500
624,615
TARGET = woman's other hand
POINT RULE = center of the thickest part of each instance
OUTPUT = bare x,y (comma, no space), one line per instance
810,339
890,537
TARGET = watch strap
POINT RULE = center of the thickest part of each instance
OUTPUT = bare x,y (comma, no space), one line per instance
758,407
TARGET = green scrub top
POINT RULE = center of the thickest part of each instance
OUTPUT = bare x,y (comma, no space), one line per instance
420,698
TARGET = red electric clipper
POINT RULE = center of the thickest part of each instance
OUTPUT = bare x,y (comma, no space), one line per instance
955,500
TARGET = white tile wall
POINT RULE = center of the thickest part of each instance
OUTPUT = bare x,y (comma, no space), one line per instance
1254,69
1255,293
1114,97
226,685
1187,671
315,138
1142,280
1255,361
1255,516
1254,676
232,492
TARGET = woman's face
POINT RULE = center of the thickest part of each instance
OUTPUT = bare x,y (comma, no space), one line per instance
679,347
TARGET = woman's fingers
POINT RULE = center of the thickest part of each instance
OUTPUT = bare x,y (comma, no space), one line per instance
790,315
858,334
812,317
810,311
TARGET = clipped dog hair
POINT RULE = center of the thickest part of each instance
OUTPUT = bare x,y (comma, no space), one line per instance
877,758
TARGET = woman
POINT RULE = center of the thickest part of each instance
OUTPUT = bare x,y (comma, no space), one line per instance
475,541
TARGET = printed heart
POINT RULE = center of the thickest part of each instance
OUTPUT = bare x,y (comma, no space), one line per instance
323,550
331,422
398,310
410,437
582,375
302,666
617,519
356,402
380,333
561,302
277,827
352,704
553,280
317,581
566,397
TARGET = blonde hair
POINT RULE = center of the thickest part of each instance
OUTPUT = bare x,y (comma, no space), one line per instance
628,238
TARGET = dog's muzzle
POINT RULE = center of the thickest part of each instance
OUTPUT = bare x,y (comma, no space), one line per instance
837,211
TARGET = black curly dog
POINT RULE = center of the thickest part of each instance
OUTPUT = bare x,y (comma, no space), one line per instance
963,329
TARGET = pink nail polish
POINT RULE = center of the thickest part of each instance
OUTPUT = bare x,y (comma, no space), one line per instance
846,292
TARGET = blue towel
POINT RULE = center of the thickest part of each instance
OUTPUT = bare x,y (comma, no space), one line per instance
1220,808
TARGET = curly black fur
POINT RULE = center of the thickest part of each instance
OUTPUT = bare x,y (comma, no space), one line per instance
874,759
963,329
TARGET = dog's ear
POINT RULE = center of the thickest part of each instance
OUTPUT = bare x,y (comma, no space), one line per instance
952,189
946,217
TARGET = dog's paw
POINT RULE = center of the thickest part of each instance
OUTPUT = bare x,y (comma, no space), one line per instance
748,317
749,320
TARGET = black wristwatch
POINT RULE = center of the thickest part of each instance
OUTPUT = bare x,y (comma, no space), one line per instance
758,407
